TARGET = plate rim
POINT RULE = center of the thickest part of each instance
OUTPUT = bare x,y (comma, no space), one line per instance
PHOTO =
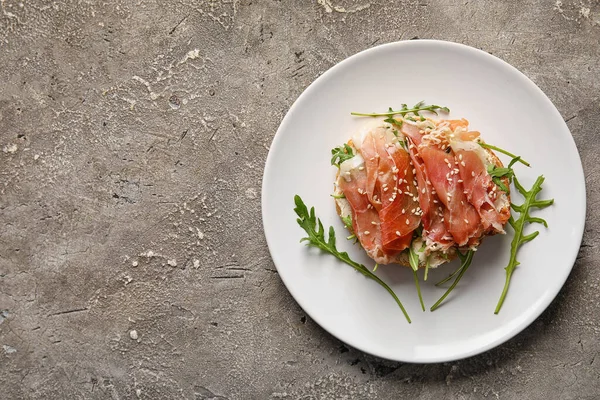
526,80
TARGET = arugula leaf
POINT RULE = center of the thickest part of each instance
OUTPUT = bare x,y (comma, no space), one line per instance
498,149
347,220
507,172
393,121
420,106
520,238
500,184
348,223
465,263
341,154
316,238
499,172
449,277
413,259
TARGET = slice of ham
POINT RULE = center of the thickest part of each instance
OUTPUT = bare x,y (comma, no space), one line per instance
387,166
379,193
460,217
365,219
400,210
480,190
434,230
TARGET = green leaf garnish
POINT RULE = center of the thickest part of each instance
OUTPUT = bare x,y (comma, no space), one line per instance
500,184
464,265
348,222
507,172
449,277
519,239
498,149
338,196
499,172
393,121
420,106
341,154
413,259
316,238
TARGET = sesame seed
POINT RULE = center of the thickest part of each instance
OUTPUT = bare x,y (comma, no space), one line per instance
380,172
473,173
369,206
403,211
360,191
435,201
407,221
398,233
385,189
412,211
348,173
446,161
463,164
460,181
414,171
433,192
462,202
466,221
460,156
395,177
367,232
423,190
373,223
429,183
361,168
392,199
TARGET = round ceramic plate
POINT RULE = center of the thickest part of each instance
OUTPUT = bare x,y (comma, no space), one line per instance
511,112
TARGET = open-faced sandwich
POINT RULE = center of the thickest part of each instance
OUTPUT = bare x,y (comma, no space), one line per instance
420,192
414,185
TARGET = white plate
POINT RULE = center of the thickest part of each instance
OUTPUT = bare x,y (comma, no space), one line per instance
511,112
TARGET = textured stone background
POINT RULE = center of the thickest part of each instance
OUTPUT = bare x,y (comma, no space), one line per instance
132,142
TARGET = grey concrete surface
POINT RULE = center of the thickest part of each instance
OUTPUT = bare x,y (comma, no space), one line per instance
132,142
